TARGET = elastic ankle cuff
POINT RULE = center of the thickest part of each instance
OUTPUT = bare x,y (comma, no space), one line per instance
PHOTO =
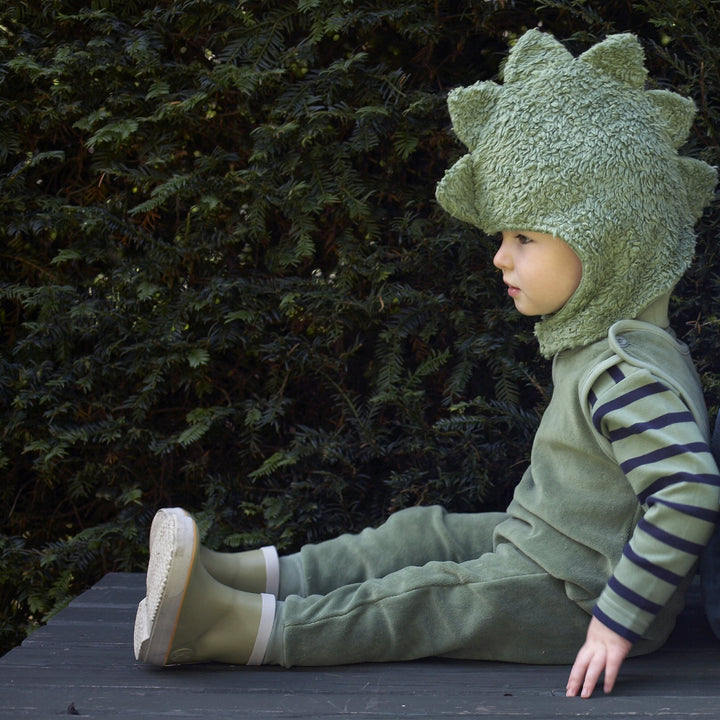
272,570
267,618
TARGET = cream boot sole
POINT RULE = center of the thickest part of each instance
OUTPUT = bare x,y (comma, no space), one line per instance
187,616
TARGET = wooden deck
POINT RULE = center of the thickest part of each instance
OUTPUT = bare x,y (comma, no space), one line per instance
81,664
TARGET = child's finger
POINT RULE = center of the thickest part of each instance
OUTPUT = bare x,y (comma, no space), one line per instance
577,674
592,674
612,669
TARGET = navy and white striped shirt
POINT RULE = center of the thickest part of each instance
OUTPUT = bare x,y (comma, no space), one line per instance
660,447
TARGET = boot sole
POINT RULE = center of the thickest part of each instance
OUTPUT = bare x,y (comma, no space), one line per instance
173,547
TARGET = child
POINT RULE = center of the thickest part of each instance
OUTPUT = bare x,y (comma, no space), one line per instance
576,167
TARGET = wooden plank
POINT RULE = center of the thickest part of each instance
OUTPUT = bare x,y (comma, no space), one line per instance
83,660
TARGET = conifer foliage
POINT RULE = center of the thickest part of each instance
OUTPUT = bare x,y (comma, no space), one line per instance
225,283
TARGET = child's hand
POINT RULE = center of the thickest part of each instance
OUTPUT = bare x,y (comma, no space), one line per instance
604,650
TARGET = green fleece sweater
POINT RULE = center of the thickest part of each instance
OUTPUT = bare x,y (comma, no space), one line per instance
622,492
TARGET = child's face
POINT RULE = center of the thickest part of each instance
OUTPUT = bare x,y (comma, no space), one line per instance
540,270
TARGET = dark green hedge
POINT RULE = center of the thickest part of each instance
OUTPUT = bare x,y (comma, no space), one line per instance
226,284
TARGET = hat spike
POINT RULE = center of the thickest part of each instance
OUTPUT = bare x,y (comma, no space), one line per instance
676,111
534,52
620,57
470,108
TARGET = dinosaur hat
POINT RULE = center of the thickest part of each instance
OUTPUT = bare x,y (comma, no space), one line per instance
576,147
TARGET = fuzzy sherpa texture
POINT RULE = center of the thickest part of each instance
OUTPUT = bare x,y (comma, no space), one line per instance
577,147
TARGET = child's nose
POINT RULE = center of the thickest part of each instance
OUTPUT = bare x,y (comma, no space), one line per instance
501,259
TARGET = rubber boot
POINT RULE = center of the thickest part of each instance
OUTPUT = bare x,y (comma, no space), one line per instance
189,617
254,571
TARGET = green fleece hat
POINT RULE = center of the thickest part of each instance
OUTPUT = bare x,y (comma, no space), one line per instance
576,147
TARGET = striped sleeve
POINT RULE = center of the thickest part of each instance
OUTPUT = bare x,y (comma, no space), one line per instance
668,463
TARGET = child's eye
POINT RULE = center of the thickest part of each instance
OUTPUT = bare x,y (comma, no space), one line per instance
523,239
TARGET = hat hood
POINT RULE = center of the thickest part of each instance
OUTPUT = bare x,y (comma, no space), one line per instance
576,147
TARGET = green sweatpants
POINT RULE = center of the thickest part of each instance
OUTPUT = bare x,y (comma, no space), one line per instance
425,583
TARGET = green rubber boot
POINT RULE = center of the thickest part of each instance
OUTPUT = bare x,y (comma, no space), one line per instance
188,616
254,571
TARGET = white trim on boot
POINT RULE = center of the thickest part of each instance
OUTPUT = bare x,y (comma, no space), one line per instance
272,570
264,631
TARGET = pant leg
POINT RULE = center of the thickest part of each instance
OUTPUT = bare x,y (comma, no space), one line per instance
411,537
499,606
